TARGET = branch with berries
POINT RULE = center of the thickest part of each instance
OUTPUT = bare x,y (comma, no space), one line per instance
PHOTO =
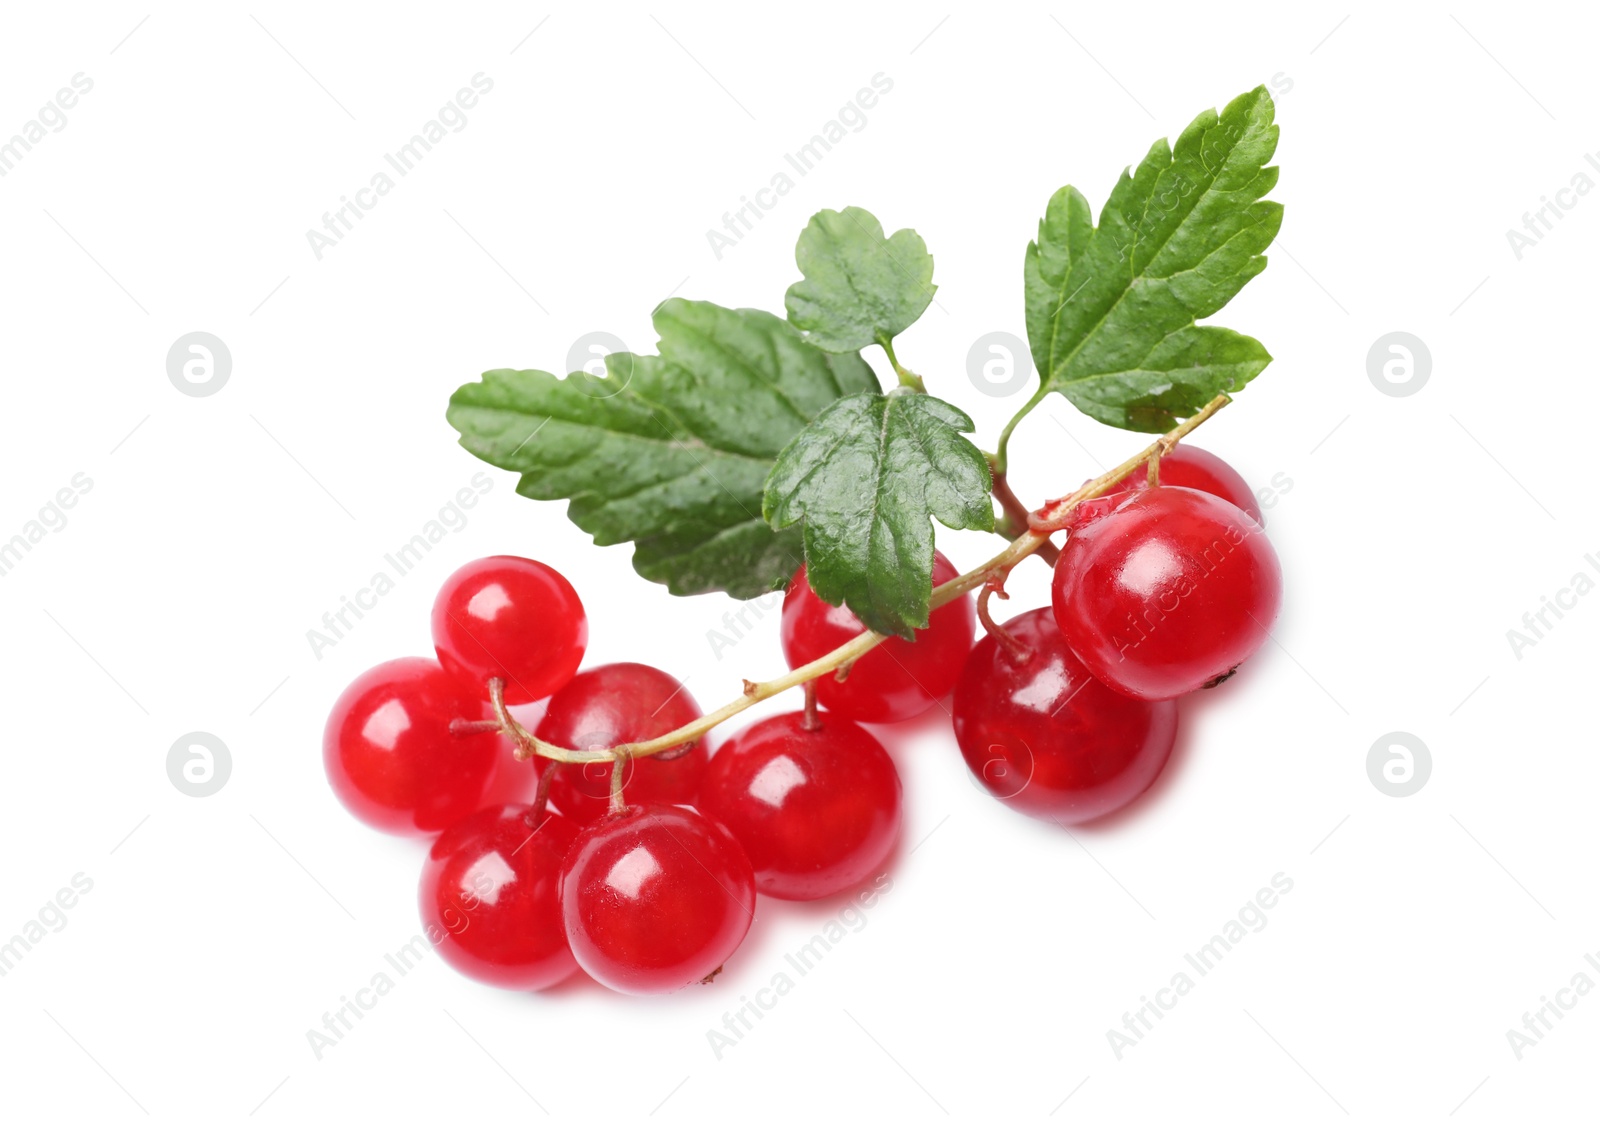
1056,515
752,452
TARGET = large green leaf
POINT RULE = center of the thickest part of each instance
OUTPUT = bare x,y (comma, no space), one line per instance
1111,309
865,476
670,452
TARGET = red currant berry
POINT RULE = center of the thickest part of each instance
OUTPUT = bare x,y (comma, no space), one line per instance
895,680
512,619
1186,466
490,897
817,811
655,898
1170,590
390,755
607,706
1045,737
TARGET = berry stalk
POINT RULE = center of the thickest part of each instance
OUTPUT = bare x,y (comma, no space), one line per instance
1016,513
1054,515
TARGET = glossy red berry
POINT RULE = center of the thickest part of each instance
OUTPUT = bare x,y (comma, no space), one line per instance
1186,466
390,755
1048,739
1168,590
512,619
607,706
817,811
490,897
895,680
655,898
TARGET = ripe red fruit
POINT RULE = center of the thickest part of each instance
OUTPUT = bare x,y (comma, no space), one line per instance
1045,737
1168,590
607,706
490,897
817,811
895,680
1187,466
513,619
655,898
390,755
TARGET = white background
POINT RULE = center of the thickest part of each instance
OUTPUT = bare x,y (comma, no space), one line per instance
218,530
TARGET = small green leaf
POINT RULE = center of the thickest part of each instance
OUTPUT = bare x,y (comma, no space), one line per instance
1111,309
865,476
670,452
859,288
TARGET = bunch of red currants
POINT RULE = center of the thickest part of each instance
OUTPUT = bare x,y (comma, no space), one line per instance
1066,713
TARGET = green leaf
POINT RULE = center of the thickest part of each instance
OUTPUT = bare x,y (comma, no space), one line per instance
859,288
1111,309
670,452
865,476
